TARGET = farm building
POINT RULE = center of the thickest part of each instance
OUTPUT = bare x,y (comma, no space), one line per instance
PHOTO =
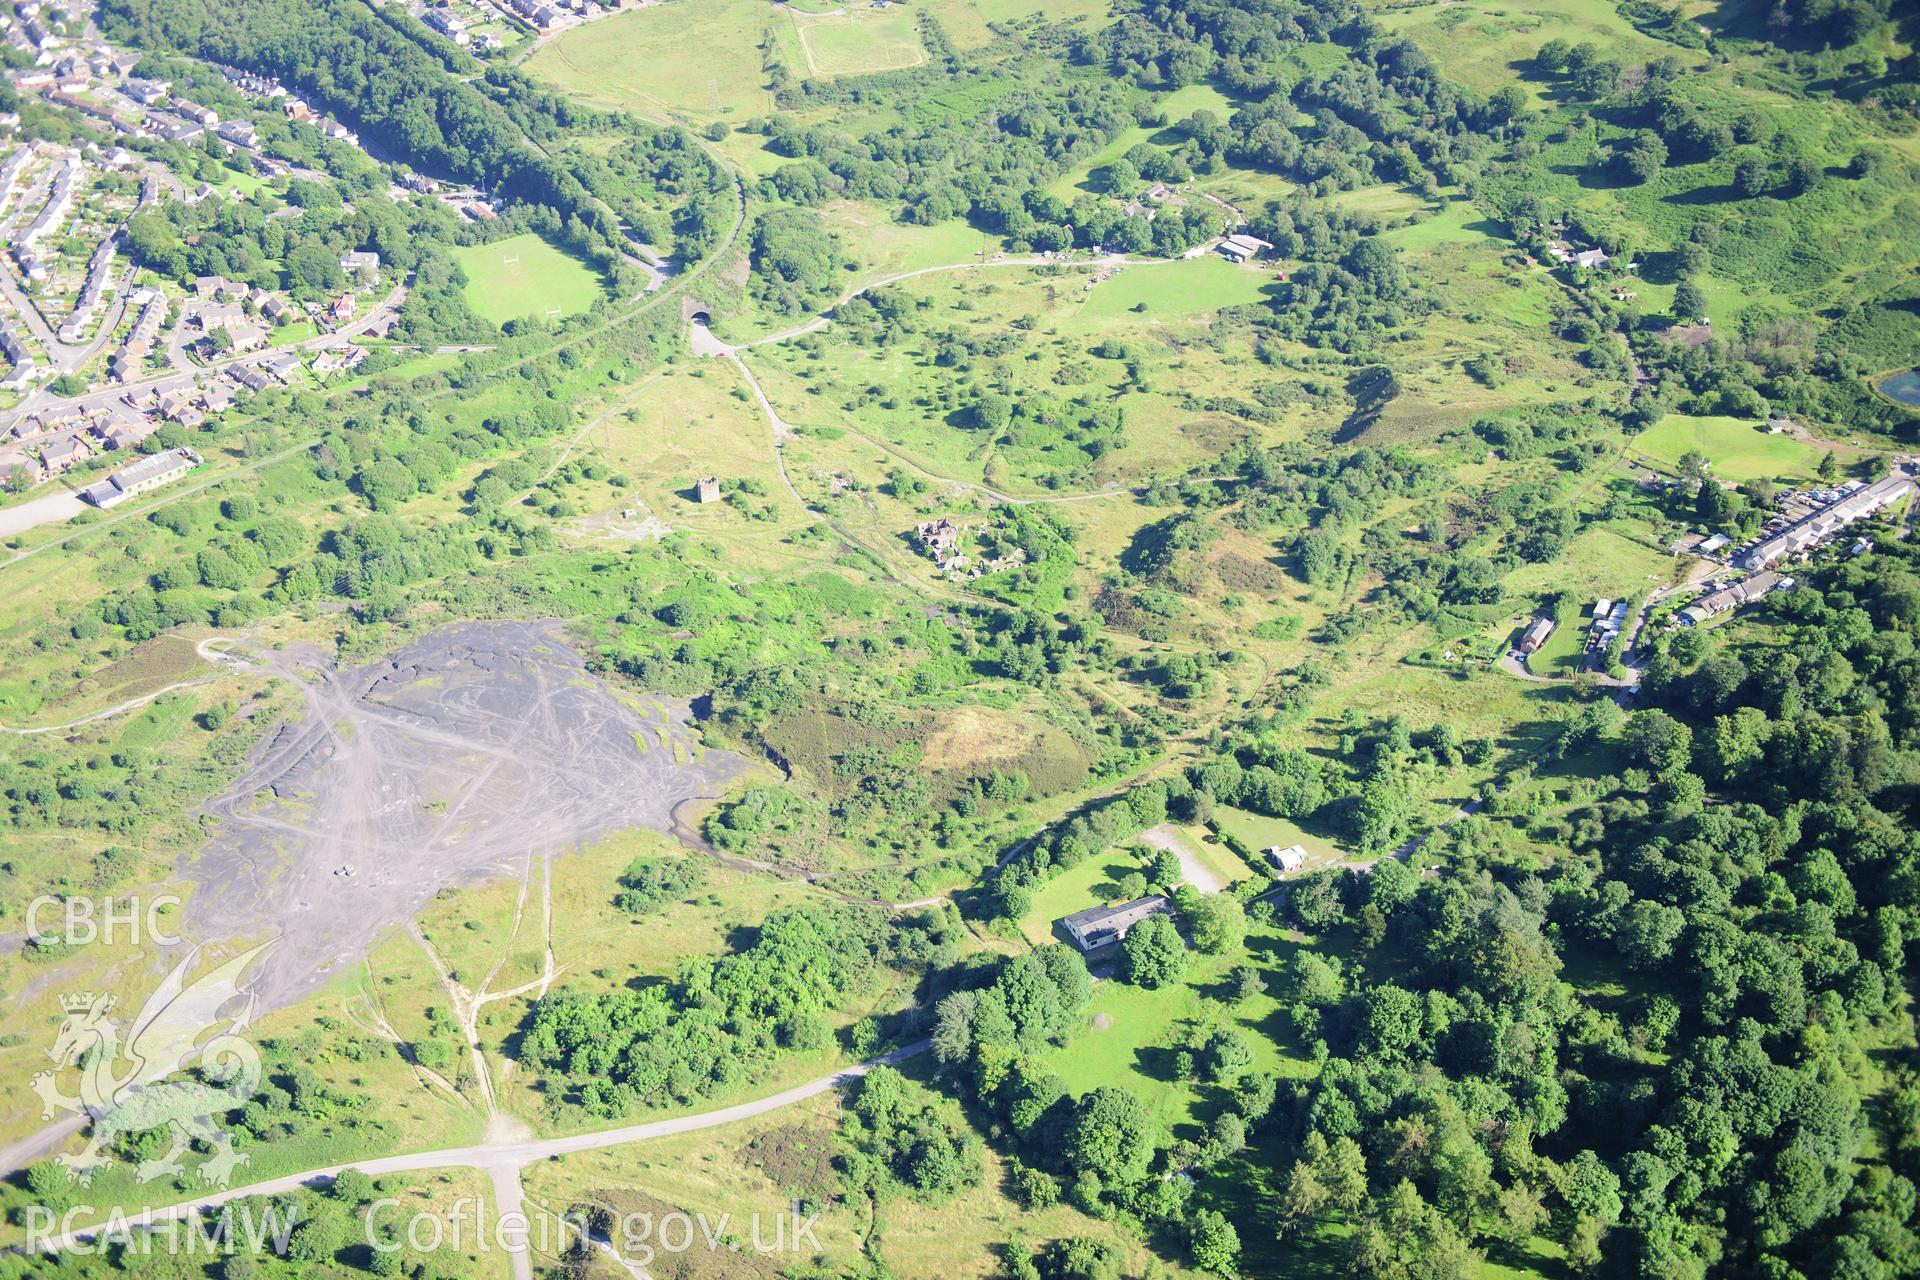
1242,248
1097,926
1291,858
137,477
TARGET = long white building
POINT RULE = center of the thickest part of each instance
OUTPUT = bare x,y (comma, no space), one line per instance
1810,531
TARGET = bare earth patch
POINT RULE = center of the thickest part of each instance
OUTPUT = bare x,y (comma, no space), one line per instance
975,736
462,756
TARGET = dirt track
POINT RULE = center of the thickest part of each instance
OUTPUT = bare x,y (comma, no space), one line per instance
456,758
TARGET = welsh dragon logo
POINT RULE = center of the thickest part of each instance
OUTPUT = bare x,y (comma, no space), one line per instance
131,1084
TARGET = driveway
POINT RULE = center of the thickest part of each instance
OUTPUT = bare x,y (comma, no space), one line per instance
1192,869
35,512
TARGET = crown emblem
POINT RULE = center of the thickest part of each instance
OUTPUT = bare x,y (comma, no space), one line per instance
77,1004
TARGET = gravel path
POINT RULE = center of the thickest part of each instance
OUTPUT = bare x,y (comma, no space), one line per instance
1192,869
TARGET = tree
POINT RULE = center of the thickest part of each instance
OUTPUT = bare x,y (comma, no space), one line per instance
1645,158
1391,885
1648,932
1081,1259
1303,1196
1229,1056
1689,302
1112,1135
352,1187
1803,175
50,1185
1392,1021
992,412
1405,1238
1750,176
1379,814
1508,103
1695,469
1553,55
1153,953
221,571
1659,740
1214,1243
1317,903
386,484
1216,921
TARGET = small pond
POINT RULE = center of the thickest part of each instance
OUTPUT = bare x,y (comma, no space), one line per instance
1904,387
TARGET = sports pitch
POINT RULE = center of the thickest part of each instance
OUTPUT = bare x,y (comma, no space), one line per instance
523,276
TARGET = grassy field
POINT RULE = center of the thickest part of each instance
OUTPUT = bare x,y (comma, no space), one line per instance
1215,856
1738,449
386,1107
1480,42
969,23
1092,883
859,41
1259,832
1174,107
757,1167
1601,561
1149,313
1565,649
1186,291
523,277
1134,1033
700,59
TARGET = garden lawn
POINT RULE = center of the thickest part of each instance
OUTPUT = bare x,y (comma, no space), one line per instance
1090,884
1134,1035
1257,831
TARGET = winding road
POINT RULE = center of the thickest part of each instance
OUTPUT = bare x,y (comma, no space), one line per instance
506,1157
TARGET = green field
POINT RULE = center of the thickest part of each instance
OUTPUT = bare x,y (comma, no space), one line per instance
969,23
1174,107
1183,291
1259,832
1564,650
1090,884
1738,449
700,58
1134,1031
525,277
859,41
1480,41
